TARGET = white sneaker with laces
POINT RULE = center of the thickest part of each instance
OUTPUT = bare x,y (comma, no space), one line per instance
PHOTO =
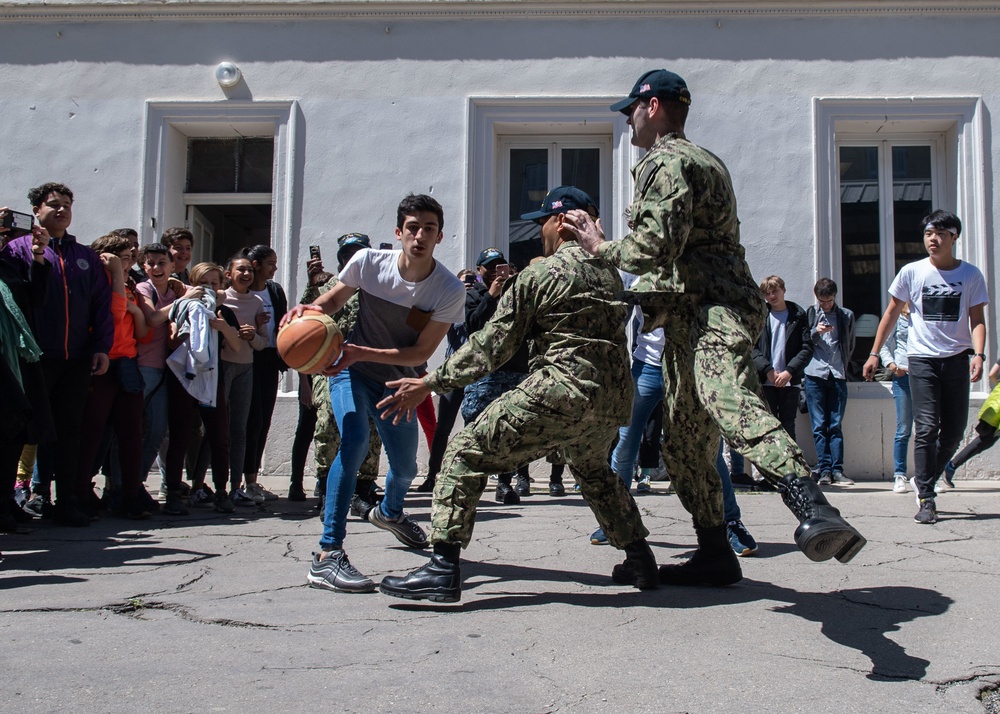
900,484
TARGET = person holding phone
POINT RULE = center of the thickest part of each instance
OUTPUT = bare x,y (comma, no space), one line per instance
831,329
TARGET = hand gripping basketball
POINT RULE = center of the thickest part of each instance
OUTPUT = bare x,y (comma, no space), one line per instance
310,343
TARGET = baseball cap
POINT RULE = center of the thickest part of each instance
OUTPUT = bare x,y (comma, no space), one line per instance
561,199
660,83
489,255
354,239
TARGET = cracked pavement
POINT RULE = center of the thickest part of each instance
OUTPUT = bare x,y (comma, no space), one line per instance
212,613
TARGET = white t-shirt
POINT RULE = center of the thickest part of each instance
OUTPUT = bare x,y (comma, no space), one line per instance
385,304
269,328
939,306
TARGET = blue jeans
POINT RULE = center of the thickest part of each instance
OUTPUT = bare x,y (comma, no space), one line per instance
827,399
730,508
904,422
647,379
353,398
154,416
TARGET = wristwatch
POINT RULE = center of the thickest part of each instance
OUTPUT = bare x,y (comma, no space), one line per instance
980,354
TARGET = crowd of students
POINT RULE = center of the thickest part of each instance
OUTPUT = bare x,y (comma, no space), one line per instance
120,360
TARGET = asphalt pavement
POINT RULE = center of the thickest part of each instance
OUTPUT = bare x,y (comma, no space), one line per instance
211,613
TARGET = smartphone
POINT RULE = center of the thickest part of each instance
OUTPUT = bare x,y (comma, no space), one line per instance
314,253
385,246
503,271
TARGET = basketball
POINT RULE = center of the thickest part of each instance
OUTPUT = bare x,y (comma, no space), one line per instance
310,343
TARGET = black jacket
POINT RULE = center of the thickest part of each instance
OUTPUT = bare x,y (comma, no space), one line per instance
479,308
798,345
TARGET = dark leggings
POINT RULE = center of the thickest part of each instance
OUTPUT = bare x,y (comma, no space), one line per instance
449,405
652,436
180,409
265,392
110,404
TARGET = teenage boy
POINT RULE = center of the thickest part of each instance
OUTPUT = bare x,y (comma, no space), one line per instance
782,352
831,329
180,242
75,330
408,301
947,297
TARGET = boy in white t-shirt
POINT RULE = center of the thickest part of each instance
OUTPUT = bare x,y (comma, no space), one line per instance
947,298
407,303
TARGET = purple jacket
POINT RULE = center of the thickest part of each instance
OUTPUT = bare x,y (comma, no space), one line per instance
75,320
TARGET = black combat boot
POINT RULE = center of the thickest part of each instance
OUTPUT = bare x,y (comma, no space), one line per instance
365,498
639,567
438,581
714,563
822,533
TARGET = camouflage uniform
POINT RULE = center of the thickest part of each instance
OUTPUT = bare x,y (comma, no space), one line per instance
695,283
574,399
326,437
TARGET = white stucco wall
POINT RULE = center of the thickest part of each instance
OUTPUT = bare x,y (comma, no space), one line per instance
383,107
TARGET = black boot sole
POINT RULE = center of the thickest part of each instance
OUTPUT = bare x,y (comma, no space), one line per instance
842,543
433,596
725,573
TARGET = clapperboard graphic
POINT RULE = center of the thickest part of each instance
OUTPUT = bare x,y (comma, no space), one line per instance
942,303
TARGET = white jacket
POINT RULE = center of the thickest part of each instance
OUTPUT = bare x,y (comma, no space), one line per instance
196,362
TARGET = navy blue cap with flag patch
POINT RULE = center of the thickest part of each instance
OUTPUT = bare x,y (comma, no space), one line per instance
489,255
659,83
562,199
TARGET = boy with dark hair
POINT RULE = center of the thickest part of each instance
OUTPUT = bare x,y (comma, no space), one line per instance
831,330
947,297
75,336
180,241
407,303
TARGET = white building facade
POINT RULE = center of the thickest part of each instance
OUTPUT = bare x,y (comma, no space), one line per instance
842,124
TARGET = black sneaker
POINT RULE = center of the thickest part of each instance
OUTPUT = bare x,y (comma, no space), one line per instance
174,505
522,485
223,503
296,492
71,516
557,490
406,531
427,486
438,581
335,572
506,495
39,506
927,513
825,478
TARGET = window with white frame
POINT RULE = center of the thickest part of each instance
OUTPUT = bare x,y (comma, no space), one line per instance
520,148
532,166
882,164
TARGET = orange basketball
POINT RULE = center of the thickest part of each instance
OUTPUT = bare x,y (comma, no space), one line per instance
310,343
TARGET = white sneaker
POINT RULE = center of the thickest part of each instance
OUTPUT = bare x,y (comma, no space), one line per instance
255,490
916,492
900,485
941,486
241,498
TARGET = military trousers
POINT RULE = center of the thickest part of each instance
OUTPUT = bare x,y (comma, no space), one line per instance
326,436
711,388
518,428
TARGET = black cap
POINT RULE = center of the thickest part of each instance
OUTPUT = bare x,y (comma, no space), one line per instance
354,239
659,83
489,255
561,199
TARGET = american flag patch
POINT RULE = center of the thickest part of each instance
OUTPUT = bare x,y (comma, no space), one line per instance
557,204
644,88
